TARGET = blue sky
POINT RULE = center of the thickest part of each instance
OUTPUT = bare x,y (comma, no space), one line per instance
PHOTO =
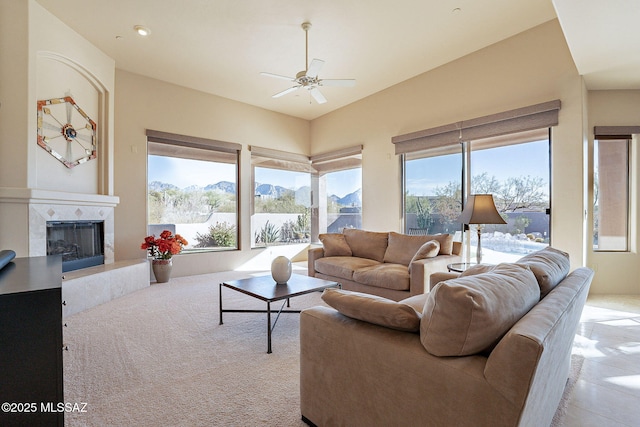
424,175
183,173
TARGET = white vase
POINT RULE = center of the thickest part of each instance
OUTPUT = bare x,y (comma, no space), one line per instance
281,270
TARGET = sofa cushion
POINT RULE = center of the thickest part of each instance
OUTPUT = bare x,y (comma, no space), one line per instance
367,244
477,269
402,247
416,301
389,276
468,315
373,309
334,244
428,250
342,267
550,267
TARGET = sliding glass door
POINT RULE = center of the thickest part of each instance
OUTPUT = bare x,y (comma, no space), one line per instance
514,168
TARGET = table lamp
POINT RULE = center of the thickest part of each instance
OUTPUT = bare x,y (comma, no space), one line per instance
480,209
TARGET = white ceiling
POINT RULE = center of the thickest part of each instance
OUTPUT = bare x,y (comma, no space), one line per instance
221,46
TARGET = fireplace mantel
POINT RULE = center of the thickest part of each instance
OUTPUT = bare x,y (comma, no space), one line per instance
32,195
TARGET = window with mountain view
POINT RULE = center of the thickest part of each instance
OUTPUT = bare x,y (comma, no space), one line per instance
514,168
193,191
344,201
281,207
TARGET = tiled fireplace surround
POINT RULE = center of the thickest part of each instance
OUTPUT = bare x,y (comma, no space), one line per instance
88,287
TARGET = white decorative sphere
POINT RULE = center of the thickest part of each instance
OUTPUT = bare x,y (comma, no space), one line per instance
281,270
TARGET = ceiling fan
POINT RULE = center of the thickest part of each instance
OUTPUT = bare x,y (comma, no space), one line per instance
308,79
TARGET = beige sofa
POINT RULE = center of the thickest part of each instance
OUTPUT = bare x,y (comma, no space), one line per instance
391,265
440,371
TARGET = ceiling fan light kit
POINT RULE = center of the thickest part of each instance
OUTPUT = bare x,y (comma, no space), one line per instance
308,78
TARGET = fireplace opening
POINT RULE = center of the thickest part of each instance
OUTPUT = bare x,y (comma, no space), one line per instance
81,243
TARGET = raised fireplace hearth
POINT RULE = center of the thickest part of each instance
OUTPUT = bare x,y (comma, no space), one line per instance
80,243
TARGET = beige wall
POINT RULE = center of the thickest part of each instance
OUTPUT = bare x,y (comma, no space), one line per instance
143,103
616,272
41,58
527,69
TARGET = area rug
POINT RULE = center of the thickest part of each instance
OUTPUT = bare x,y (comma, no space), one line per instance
574,376
159,357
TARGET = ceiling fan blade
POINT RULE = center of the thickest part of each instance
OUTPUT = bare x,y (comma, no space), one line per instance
286,91
315,67
337,82
278,76
320,99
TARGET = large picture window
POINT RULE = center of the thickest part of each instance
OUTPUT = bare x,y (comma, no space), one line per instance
192,190
337,190
505,155
281,211
344,200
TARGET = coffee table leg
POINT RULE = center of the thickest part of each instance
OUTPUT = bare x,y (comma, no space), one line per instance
268,327
220,302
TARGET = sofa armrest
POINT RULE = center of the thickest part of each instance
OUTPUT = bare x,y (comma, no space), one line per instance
441,276
312,256
421,271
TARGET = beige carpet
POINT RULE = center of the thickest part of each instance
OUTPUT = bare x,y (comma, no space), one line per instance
158,357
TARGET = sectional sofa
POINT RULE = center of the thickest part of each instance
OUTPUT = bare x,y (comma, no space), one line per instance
491,347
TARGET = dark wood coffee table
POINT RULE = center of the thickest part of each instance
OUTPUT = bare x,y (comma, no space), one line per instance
265,288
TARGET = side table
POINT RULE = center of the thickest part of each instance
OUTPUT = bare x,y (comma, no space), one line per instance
459,267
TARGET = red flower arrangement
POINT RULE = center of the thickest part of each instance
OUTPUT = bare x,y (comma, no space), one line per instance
164,247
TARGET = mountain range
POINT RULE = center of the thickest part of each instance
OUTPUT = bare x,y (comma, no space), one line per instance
262,190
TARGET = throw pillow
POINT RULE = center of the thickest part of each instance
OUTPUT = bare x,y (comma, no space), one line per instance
334,244
468,315
373,309
429,250
550,267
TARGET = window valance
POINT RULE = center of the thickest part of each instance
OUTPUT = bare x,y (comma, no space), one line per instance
332,161
277,159
615,132
537,116
191,147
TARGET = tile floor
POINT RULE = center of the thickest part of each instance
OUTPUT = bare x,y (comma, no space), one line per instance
607,392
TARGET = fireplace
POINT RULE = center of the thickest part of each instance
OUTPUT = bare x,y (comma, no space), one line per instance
81,243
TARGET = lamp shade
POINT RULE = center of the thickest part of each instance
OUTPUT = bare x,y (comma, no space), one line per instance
480,209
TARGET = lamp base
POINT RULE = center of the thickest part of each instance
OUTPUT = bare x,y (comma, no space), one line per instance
479,248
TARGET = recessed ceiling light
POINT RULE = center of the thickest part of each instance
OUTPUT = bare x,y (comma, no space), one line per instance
142,30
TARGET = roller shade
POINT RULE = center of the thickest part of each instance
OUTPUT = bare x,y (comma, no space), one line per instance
445,137
276,159
333,161
615,132
190,147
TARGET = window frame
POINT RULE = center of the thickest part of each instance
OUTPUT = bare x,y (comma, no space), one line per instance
201,149
628,181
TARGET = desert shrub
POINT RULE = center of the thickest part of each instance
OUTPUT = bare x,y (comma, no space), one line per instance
222,234
267,234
